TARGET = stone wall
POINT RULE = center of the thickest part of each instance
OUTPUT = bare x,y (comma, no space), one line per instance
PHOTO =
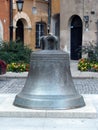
70,8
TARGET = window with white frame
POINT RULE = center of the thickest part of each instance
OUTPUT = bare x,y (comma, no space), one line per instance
40,31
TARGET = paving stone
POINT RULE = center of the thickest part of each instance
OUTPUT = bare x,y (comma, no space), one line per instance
83,86
87,85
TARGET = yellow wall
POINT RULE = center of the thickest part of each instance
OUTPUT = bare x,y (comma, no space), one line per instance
42,10
55,6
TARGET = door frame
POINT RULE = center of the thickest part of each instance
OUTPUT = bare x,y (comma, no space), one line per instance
76,28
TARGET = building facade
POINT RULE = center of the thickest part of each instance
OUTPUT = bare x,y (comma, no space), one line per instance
55,19
78,25
4,20
29,26
77,21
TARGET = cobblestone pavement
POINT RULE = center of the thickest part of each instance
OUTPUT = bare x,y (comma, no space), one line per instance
84,86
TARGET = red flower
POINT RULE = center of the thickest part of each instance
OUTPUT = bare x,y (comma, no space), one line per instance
3,67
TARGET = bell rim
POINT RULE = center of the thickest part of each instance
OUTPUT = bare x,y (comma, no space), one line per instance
64,104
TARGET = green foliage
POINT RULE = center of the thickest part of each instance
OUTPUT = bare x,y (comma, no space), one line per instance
91,62
14,52
91,50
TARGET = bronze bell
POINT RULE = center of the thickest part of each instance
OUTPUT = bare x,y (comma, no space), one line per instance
49,84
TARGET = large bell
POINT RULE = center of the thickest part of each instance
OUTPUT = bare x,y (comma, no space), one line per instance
49,84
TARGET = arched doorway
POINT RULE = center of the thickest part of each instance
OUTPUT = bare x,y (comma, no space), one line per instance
76,37
20,31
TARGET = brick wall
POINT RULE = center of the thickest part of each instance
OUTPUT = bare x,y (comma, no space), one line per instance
4,17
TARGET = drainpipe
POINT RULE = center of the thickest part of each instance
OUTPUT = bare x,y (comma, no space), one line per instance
11,20
49,15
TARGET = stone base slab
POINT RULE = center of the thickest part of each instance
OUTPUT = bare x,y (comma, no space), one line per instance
7,109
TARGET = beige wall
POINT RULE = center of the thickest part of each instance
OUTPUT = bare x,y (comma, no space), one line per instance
68,8
29,20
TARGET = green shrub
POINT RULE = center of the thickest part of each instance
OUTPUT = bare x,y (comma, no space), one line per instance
91,50
14,52
91,62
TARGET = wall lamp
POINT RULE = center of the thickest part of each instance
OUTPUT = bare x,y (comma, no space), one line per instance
34,8
86,20
19,5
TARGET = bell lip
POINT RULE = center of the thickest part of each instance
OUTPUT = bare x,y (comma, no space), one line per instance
51,108
77,103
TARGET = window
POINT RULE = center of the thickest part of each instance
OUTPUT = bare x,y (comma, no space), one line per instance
40,31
